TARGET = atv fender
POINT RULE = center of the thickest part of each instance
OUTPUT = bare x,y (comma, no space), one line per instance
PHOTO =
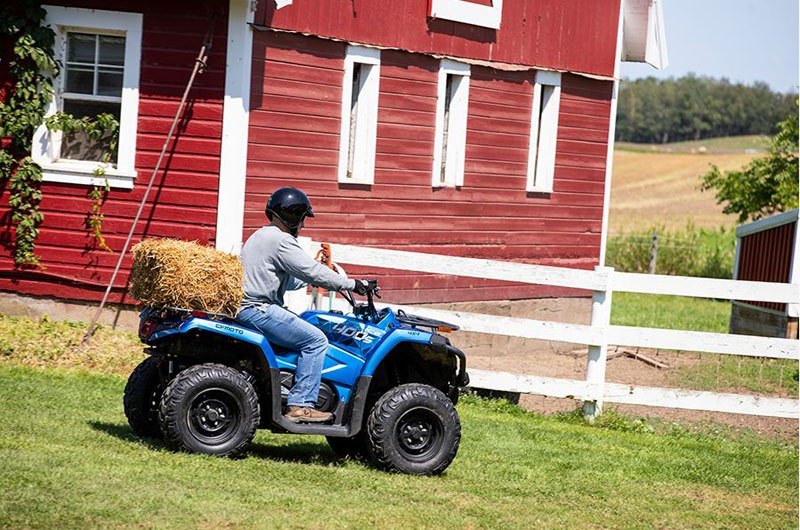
397,337
437,342
232,331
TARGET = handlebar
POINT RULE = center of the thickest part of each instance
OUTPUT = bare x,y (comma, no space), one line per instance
368,309
373,289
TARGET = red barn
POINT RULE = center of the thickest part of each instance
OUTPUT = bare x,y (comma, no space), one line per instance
478,128
767,251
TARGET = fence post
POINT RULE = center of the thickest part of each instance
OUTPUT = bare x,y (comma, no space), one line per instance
653,253
598,354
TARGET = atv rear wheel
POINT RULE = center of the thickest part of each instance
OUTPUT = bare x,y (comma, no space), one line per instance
142,396
413,429
211,409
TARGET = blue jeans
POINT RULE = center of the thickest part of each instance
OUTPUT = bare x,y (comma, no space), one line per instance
284,328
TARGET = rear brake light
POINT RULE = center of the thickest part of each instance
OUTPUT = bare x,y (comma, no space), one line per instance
199,314
146,328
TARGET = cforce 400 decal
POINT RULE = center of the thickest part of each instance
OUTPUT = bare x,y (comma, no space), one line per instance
347,331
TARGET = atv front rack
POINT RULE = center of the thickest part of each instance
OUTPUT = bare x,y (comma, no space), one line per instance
423,322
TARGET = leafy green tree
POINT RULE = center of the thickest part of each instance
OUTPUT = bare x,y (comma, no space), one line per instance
696,107
766,185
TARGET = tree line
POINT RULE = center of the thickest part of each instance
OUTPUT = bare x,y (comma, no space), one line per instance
692,108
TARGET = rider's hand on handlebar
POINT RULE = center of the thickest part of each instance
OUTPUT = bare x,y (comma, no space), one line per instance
361,287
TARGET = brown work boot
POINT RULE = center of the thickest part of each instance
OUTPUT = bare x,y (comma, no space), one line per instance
307,415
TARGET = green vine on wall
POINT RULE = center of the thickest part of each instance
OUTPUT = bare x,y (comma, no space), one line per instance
29,48
97,195
104,128
24,199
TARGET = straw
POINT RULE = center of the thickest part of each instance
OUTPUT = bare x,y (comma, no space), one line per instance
174,273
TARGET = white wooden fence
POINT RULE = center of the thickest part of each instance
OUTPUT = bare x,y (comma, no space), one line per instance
603,281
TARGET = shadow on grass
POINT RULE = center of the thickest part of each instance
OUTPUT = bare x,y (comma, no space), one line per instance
298,453
301,453
123,432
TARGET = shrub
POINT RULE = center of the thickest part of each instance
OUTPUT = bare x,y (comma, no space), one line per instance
692,251
611,419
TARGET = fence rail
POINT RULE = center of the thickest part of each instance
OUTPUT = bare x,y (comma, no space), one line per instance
471,267
636,395
633,282
602,281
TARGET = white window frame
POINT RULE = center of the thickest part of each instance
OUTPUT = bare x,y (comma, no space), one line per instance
47,145
456,126
544,132
469,12
357,143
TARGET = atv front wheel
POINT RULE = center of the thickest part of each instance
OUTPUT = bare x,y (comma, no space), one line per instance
141,398
211,409
413,429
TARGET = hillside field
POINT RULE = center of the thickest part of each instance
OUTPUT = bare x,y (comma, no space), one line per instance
655,185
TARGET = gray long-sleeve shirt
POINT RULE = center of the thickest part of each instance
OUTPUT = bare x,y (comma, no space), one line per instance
275,263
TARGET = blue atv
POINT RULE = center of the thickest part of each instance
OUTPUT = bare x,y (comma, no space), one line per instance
390,379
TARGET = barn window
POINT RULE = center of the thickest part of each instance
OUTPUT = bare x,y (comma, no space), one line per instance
100,56
359,115
451,124
544,131
93,72
486,14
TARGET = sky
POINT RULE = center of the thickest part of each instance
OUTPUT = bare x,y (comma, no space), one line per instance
743,40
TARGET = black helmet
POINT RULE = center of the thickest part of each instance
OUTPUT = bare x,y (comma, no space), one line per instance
291,206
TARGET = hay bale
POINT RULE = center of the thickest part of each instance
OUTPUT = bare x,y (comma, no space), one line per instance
169,272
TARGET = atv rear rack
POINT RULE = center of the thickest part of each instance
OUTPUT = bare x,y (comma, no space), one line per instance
185,312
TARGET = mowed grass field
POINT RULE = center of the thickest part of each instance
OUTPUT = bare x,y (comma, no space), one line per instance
660,185
69,460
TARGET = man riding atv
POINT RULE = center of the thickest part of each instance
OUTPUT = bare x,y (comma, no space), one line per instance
275,263
379,384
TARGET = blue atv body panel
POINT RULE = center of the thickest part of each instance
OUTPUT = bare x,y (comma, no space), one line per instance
356,347
232,331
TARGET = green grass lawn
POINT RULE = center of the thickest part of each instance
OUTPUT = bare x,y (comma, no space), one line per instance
670,312
46,342
69,460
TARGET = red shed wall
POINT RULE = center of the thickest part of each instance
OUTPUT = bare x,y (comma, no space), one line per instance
767,257
294,140
183,201
579,35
